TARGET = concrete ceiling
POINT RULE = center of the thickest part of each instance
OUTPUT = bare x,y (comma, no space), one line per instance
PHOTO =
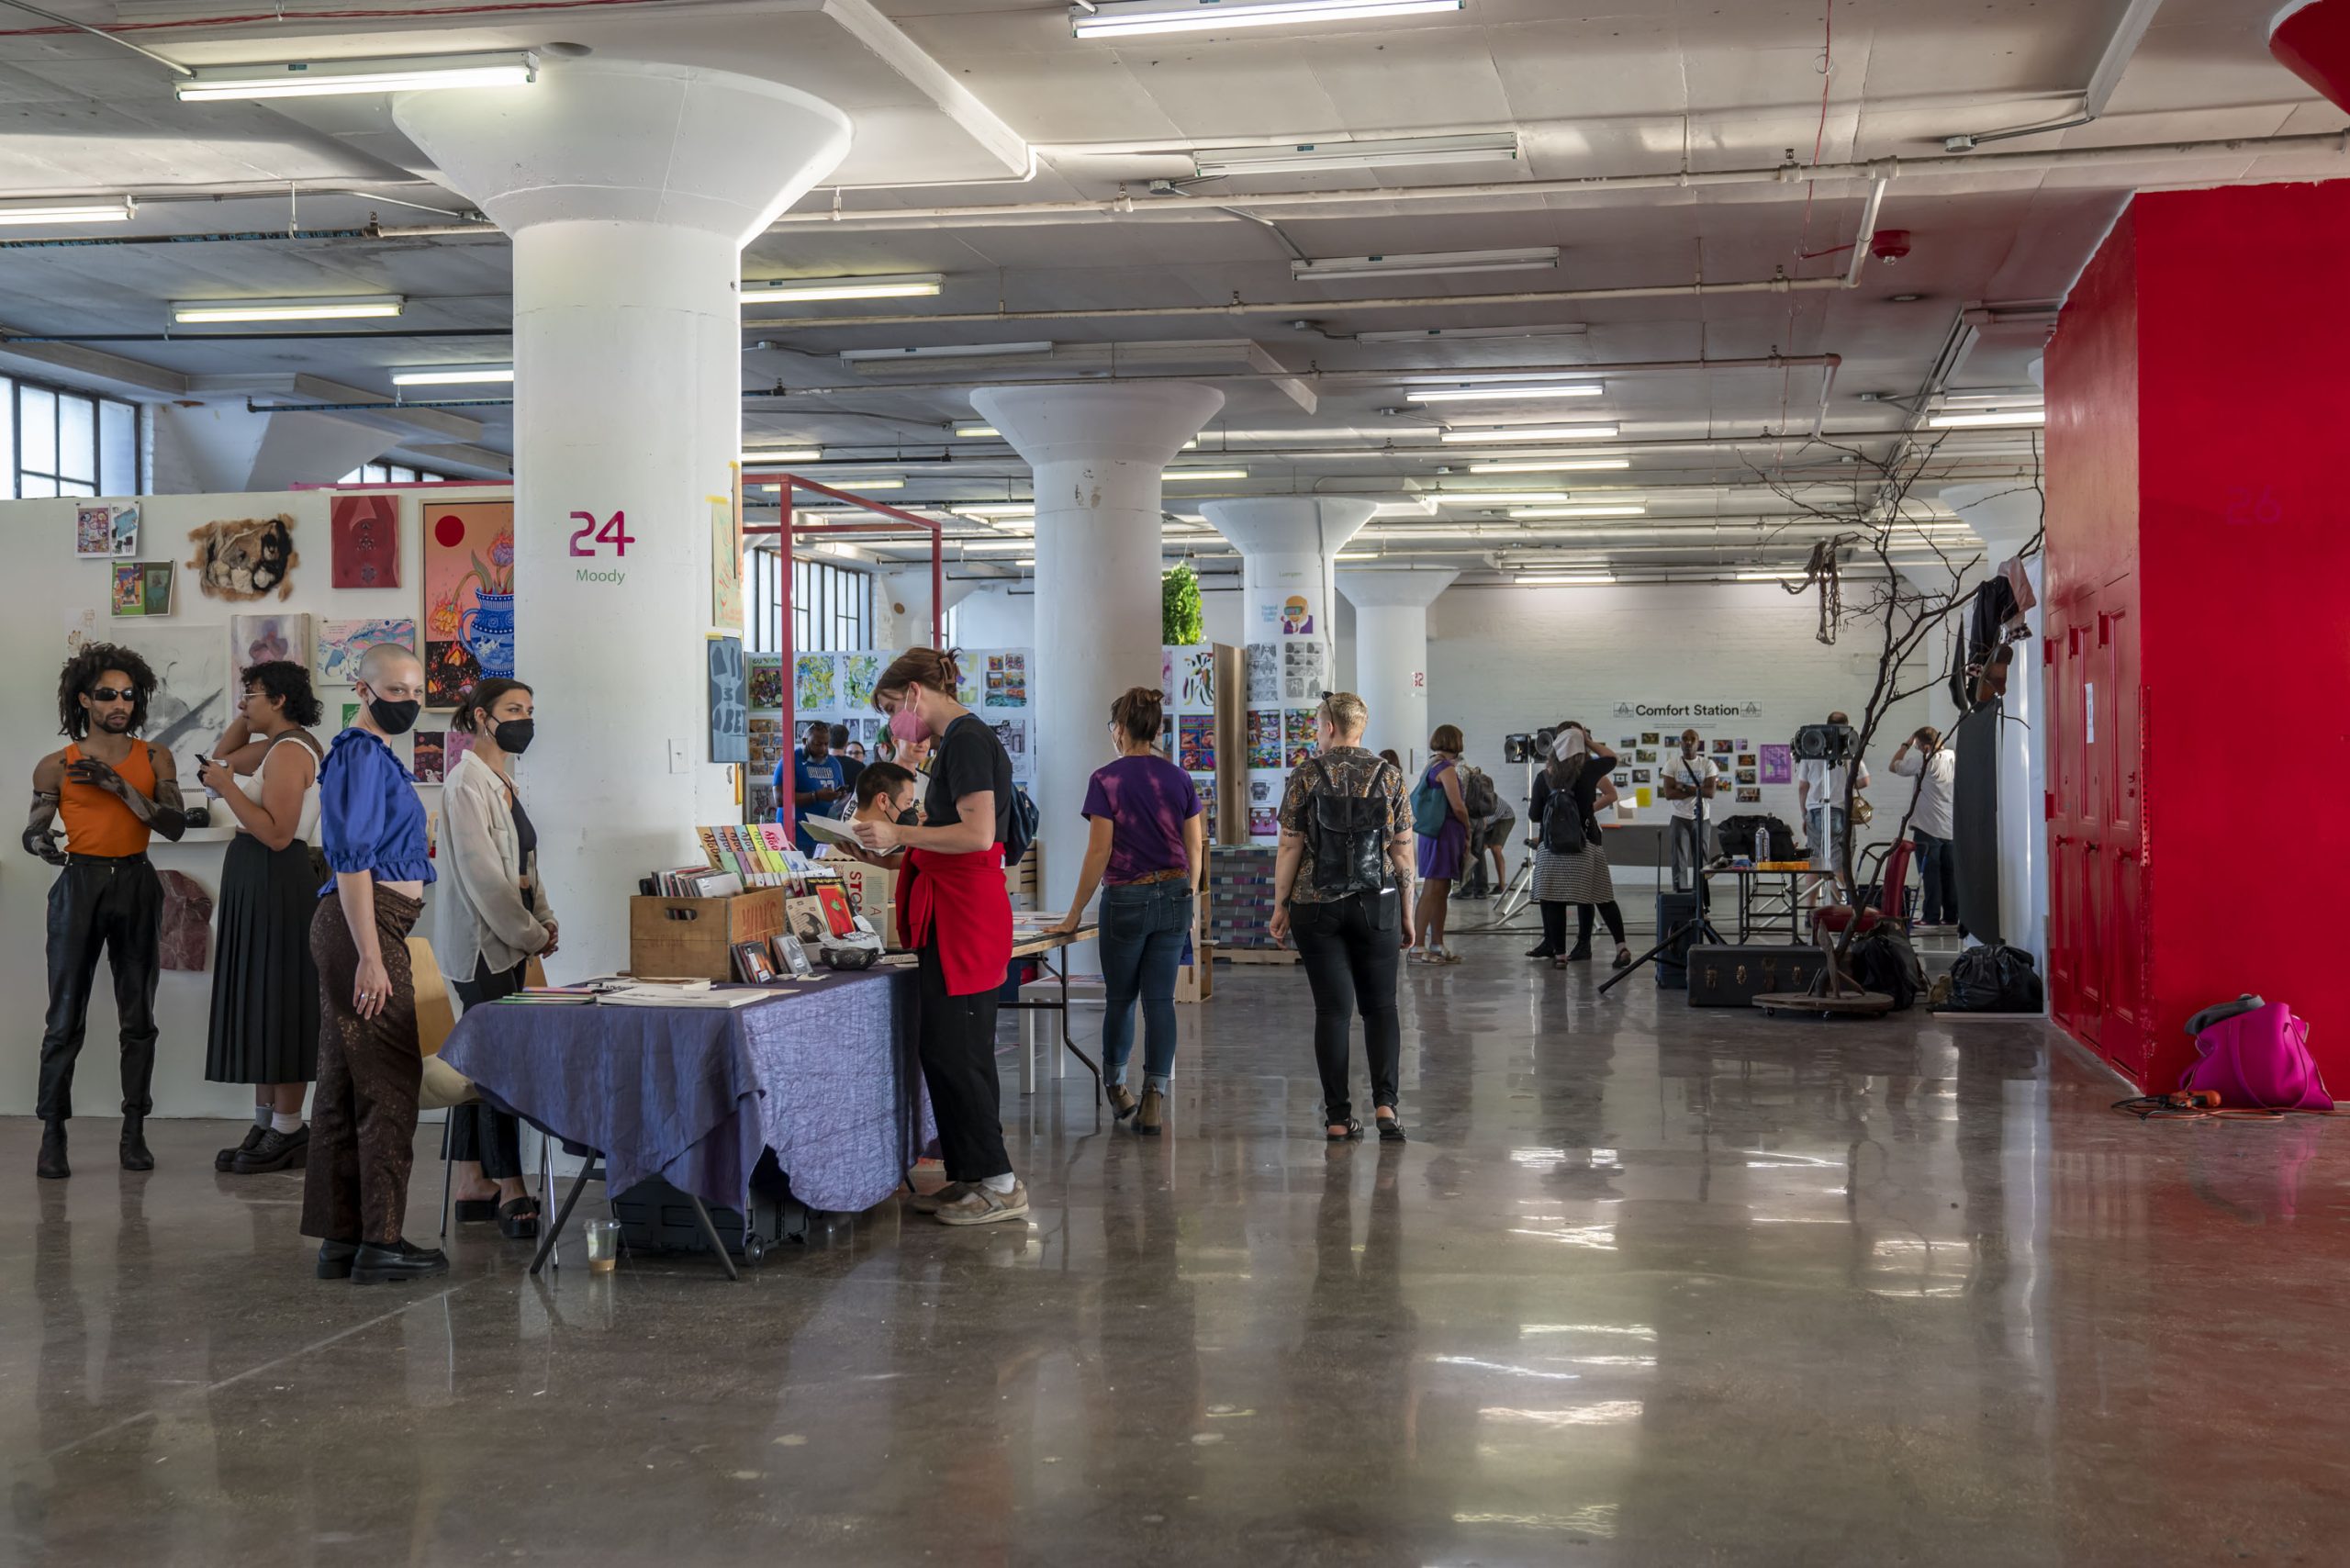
955,99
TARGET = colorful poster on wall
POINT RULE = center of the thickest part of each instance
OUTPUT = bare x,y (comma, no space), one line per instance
1264,737
1265,673
93,530
815,686
244,558
1190,676
1750,797
453,748
1264,822
125,530
1007,681
725,566
142,587
1297,731
260,639
730,713
468,597
970,678
766,744
429,761
1297,616
1778,764
1195,743
364,542
766,676
860,673
1203,784
341,645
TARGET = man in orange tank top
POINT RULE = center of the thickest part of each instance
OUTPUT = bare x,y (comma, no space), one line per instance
114,791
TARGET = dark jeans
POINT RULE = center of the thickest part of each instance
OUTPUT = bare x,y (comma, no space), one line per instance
1937,871
476,1132
1351,949
1554,924
957,1037
116,907
1143,928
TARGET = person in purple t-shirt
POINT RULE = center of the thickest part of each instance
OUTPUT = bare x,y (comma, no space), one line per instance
1149,848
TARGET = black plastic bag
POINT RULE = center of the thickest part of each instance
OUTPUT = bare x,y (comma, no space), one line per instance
1883,961
1994,978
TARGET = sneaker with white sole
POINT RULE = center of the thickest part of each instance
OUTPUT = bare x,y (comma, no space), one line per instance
931,1203
978,1205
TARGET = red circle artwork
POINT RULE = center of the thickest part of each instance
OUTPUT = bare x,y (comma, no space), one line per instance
449,531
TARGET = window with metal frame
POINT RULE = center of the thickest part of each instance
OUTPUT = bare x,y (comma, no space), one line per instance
831,606
61,443
391,474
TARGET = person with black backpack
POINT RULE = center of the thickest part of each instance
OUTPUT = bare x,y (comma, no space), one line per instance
1569,856
1342,887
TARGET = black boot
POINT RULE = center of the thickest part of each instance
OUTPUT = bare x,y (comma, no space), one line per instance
134,1144
52,1166
1578,953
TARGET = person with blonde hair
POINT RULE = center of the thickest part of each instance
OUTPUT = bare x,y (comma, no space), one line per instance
953,912
1342,887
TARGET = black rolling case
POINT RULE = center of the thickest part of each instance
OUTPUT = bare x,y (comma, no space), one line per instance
1734,977
1672,965
655,1218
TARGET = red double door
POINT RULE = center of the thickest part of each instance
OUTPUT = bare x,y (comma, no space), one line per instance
2099,934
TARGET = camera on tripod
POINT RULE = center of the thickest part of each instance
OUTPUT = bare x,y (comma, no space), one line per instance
1534,747
1831,744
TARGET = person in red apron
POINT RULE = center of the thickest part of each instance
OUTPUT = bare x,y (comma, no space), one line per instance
954,912
114,791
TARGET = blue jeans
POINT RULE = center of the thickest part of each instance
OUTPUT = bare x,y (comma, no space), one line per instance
1937,868
1143,929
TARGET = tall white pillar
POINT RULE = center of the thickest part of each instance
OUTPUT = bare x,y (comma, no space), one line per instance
629,188
1099,454
1289,549
1392,655
2006,516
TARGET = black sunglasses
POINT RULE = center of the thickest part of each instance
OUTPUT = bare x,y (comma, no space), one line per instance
109,694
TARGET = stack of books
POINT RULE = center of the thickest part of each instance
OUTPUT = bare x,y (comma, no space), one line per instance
741,856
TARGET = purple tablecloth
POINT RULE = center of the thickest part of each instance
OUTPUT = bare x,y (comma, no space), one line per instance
826,1074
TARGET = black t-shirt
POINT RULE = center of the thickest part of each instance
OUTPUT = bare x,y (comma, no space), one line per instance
968,760
1584,792
850,769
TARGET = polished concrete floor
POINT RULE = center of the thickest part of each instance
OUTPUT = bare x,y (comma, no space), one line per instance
1648,1287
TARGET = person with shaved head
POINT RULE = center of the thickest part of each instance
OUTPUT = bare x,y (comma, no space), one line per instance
363,1116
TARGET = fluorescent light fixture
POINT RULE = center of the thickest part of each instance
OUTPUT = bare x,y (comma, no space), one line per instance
993,508
786,455
1421,334
452,375
896,285
977,432
69,209
1130,18
1505,434
1360,555
1416,264
949,350
851,484
1994,420
1498,394
1498,498
1207,473
1631,508
1370,153
997,546
1778,577
1559,579
186,312
1554,465
323,78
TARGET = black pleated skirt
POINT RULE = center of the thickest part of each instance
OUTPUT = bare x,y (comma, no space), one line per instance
265,987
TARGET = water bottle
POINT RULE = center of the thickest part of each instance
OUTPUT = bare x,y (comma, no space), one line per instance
1761,844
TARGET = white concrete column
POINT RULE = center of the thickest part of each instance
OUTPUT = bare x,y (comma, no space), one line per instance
1392,655
1099,454
1289,549
629,188
2005,517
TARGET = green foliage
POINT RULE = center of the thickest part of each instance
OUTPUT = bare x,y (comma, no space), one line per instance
1181,621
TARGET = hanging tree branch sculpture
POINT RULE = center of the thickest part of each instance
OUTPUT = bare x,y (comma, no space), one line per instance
1876,520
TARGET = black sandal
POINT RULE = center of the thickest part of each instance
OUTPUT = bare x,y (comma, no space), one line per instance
517,1218
476,1210
1389,1130
1352,1134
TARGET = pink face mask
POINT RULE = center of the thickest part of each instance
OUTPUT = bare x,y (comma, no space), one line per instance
906,724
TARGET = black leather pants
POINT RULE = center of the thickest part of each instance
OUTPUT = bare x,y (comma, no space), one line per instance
115,907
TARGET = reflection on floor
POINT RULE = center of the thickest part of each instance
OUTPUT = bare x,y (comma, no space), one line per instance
1649,1285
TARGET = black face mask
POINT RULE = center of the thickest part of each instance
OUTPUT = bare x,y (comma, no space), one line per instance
393,718
513,736
910,818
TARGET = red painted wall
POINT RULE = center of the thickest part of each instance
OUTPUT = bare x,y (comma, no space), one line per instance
2197,402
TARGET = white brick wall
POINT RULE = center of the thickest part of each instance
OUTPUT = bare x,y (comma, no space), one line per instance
1509,659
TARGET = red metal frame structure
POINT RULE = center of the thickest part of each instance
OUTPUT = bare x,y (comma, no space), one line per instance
783,531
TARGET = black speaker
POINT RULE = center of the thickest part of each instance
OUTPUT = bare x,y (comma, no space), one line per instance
1672,965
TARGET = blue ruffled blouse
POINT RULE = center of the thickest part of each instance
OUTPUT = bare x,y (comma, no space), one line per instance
369,817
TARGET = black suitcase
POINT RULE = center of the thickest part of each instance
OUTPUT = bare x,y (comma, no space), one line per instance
654,1217
1672,965
1734,977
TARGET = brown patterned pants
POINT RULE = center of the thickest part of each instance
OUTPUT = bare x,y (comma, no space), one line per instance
362,1114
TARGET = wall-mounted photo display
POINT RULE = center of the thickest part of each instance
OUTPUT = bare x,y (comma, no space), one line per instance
1746,776
1750,797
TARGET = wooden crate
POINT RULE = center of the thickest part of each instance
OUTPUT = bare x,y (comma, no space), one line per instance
695,938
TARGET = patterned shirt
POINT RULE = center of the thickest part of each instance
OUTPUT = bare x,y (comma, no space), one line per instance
1355,771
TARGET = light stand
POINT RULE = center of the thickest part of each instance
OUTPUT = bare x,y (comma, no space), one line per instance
1697,925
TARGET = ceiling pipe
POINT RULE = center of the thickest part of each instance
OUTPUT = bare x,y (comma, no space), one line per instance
1516,192
1434,374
